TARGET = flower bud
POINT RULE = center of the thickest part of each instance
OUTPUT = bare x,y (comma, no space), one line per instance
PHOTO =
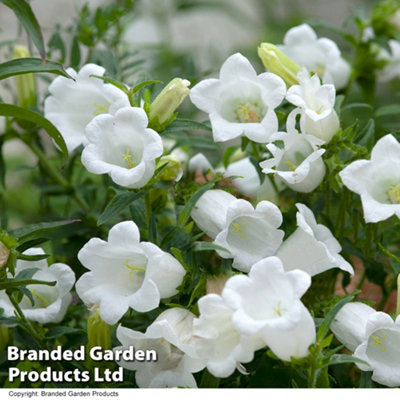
277,62
163,107
173,170
4,337
4,253
98,332
25,83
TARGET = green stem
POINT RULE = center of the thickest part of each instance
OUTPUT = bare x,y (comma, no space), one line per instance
56,174
25,323
8,285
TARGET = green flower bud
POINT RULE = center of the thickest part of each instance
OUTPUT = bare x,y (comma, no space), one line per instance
161,111
98,332
4,337
4,253
277,62
25,84
173,170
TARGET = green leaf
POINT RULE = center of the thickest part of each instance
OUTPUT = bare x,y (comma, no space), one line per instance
35,257
117,204
184,216
25,15
75,56
114,82
10,110
206,246
35,231
26,274
186,124
343,359
20,66
391,109
323,329
136,88
59,331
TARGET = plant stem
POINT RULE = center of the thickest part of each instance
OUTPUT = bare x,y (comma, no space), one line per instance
56,174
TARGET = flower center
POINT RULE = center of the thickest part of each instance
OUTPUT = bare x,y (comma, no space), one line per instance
238,228
101,109
41,299
279,310
394,194
377,340
134,269
248,113
127,157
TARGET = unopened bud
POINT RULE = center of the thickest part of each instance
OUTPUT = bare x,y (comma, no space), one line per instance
4,337
98,332
277,62
4,253
170,98
173,169
25,84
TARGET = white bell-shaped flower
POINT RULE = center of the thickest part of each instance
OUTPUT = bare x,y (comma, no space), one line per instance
374,339
223,347
377,180
240,102
125,272
267,302
321,56
250,234
210,210
298,163
171,336
72,104
312,247
247,234
316,103
123,147
50,302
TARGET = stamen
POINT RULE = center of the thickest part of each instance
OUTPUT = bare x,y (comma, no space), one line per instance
45,302
378,341
101,109
279,310
394,194
248,113
128,158
238,228
134,269
292,166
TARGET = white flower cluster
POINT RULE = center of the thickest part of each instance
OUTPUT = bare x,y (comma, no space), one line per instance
98,116
260,306
254,311
242,103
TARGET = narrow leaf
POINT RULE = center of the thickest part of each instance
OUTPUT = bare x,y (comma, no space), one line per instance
323,329
206,246
20,66
117,204
25,15
10,110
34,231
190,204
